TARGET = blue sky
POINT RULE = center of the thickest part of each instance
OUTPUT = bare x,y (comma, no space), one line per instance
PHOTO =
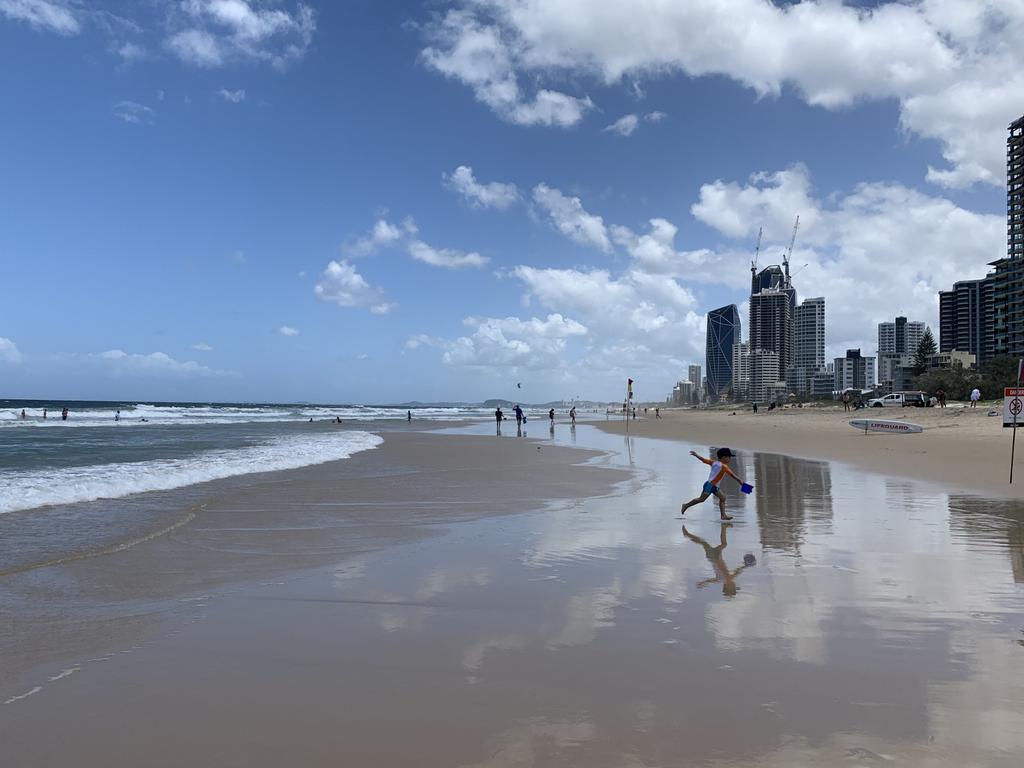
191,189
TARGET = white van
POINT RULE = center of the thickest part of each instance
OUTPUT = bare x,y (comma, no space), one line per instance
898,400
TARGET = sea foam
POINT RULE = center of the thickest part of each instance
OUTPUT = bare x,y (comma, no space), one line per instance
20,490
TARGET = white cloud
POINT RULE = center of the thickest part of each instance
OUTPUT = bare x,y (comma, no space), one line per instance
491,195
234,97
49,15
121,363
507,342
384,308
9,351
287,330
655,117
341,284
624,126
445,257
655,251
383,234
136,114
202,346
131,52
571,219
956,69
476,54
211,33
882,249
422,340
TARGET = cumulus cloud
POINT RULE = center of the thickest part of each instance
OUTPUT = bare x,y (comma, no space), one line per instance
341,284
202,346
493,194
445,257
476,53
212,33
655,251
571,219
287,330
156,364
506,342
9,351
383,234
655,117
955,69
47,15
134,113
624,126
234,97
130,52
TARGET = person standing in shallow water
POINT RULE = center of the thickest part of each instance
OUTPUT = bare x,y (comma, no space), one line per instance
498,416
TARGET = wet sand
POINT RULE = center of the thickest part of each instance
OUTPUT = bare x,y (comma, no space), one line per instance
960,448
882,623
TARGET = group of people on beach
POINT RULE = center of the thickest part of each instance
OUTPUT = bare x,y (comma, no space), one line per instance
499,417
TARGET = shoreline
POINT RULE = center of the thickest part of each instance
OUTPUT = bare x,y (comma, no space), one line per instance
254,527
960,449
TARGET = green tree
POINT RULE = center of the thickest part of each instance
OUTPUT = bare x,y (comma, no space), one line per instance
924,350
998,372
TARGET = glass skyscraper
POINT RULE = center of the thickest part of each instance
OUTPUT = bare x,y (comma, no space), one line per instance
724,330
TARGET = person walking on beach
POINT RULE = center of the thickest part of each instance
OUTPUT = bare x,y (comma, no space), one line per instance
657,412
714,555
551,419
754,406
519,416
572,415
408,417
941,394
846,401
975,397
719,469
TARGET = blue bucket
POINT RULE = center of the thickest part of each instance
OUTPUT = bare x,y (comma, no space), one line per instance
746,488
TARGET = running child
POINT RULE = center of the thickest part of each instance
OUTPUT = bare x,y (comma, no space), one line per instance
719,469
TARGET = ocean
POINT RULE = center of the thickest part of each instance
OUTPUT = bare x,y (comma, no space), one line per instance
162,446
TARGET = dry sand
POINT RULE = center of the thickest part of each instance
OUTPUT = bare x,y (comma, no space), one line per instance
961,448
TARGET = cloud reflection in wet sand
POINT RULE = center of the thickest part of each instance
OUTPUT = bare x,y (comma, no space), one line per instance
879,623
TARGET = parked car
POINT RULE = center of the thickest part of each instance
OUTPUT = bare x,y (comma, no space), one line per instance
899,400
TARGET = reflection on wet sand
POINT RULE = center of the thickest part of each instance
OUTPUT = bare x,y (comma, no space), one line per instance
791,493
714,555
876,630
987,521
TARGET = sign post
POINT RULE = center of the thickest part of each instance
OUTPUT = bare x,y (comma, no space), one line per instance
1013,405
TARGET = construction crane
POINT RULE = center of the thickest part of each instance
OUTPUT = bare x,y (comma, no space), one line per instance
757,252
789,251
799,270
